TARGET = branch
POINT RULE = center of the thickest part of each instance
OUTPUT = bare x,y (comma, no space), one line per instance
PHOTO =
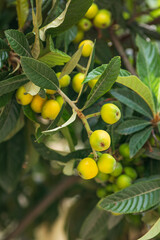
40,208
121,51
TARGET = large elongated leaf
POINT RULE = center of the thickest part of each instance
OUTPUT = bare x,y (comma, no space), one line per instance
18,42
138,197
105,82
155,153
153,232
138,140
132,126
39,73
52,56
132,100
12,84
95,224
75,11
22,7
140,88
11,160
148,62
8,119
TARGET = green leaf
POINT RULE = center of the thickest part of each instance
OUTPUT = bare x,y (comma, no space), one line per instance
8,119
68,68
76,9
137,198
53,57
132,100
148,61
22,7
95,224
131,126
153,232
18,42
11,160
155,153
3,46
140,88
4,99
4,49
39,73
138,140
105,82
12,83
28,112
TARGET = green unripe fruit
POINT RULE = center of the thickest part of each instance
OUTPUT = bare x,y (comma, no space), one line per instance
79,36
109,188
111,179
103,177
85,24
23,98
123,181
118,170
115,188
77,82
64,81
129,171
87,168
92,11
87,47
100,140
124,150
110,113
106,163
102,19
101,192
60,100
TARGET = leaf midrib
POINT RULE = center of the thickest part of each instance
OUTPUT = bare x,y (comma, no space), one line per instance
13,39
89,100
140,194
39,73
10,83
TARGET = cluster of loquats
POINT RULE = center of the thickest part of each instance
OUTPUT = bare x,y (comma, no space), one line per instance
94,17
127,170
100,141
48,106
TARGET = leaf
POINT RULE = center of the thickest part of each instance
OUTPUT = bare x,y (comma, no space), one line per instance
68,168
11,160
132,100
55,23
22,7
8,119
4,49
39,12
12,83
70,120
29,113
68,68
131,126
138,140
31,88
4,99
36,46
148,62
39,73
140,88
74,11
105,82
137,198
153,232
18,42
53,57
155,153
94,224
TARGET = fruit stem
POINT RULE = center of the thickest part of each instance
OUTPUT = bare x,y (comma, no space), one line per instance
81,68
80,115
93,115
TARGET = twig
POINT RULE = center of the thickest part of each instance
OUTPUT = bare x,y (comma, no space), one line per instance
121,51
50,198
